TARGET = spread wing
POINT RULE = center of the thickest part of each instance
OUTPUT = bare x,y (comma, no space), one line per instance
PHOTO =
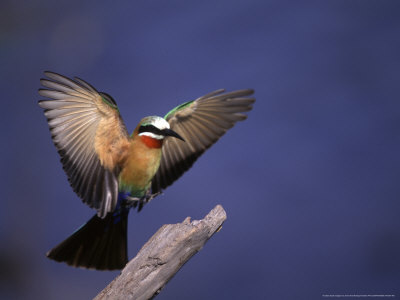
89,134
201,123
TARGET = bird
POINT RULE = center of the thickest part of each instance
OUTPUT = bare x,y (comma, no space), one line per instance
113,171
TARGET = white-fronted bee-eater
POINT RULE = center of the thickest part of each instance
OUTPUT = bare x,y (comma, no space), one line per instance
112,171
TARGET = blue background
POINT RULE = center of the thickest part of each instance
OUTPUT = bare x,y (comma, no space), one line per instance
310,181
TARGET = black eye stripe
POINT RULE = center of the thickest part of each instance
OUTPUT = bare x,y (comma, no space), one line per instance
150,128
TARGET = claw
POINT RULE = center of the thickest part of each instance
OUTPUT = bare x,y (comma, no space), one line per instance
135,201
150,197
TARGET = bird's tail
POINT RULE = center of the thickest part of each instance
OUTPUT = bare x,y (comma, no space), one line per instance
99,244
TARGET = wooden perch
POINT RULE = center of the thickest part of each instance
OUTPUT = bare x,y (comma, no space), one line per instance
162,256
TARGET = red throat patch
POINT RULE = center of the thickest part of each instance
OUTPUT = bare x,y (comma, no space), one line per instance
151,142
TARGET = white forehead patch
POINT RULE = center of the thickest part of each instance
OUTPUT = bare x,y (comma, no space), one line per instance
157,122
161,123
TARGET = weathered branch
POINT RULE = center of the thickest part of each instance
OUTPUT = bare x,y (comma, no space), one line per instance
162,256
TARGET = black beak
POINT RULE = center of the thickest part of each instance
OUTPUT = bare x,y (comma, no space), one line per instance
169,132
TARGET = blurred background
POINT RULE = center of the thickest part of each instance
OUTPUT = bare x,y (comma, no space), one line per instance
310,182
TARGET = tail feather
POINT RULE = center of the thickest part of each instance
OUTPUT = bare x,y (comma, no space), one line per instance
99,244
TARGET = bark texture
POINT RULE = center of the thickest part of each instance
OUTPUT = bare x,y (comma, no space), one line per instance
162,256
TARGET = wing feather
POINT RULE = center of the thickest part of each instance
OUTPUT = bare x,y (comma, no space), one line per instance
201,123
76,114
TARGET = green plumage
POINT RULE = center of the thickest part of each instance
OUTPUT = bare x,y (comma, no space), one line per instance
172,111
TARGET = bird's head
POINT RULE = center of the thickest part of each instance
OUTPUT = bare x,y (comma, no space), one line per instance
157,128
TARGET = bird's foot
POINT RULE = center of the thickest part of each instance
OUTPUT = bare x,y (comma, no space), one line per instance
132,201
150,197
140,201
